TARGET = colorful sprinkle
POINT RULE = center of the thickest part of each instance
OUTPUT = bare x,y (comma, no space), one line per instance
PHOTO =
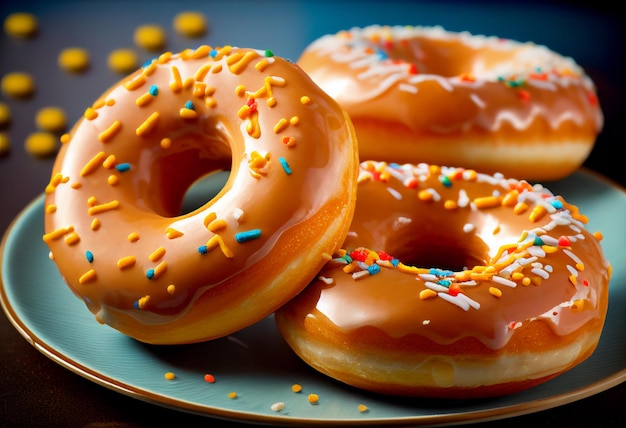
248,235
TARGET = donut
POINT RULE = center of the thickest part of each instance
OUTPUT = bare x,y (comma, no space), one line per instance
424,94
452,283
113,218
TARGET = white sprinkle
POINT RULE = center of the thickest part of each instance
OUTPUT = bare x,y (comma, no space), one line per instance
474,304
572,270
524,262
425,322
504,281
460,303
549,240
478,101
325,279
436,287
277,407
468,227
394,193
540,272
360,274
573,257
536,251
408,88
237,214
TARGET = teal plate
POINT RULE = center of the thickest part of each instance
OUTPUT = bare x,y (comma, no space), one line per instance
256,363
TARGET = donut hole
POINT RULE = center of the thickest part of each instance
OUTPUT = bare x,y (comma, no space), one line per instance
443,252
203,190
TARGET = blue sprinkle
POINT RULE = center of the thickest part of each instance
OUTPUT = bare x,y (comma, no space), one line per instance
538,242
395,262
89,256
444,282
147,63
150,273
203,249
136,304
154,90
213,53
557,204
189,105
372,269
382,55
248,235
440,272
285,165
445,180
122,167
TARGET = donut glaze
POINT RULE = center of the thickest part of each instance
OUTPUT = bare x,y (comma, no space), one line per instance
113,217
452,284
423,94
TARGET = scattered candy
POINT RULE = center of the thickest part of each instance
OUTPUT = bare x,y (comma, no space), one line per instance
190,24
74,60
18,85
150,37
122,61
21,25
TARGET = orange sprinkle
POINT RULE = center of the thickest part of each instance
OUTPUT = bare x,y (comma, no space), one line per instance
313,398
113,180
537,213
495,291
133,237
51,209
427,293
97,209
362,408
135,83
88,276
106,135
487,202
148,125
93,164
95,224
65,138
425,195
126,262
209,218
157,254
177,84
305,100
187,113
171,289
57,234
173,233
217,241
166,143
520,208
109,162
144,99
169,376
143,302
90,113
216,225
72,239
296,387
238,61
450,204
159,270
232,395
202,72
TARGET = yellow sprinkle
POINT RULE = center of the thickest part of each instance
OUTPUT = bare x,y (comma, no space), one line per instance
73,60
487,202
261,65
209,218
135,83
216,241
109,162
598,235
313,398
526,281
51,209
296,387
95,224
159,270
177,83
122,61
294,120
238,62
150,37
362,408
427,293
190,24
188,83
520,208
580,267
21,25
240,90
173,233
169,376
126,262
510,199
166,143
57,234
88,276
305,100
65,138
216,68
425,195
93,164
210,103
72,239
450,204
578,305
144,99
573,280
495,291
232,395
171,289
17,85
149,69
113,180
143,302
549,249
148,125
217,225
280,126
537,213
90,113
97,209
516,276
108,134
199,89
157,254
187,113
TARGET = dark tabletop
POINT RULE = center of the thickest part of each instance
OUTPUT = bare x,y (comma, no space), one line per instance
36,391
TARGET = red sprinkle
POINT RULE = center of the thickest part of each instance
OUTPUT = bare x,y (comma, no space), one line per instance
564,241
359,255
384,256
209,378
454,289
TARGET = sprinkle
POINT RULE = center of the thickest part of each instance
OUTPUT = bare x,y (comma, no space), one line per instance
171,289
109,162
209,378
277,407
362,408
537,213
88,276
296,387
248,235
186,113
92,164
126,262
58,233
169,376
122,167
487,202
108,134
95,224
173,233
495,291
217,241
285,165
232,395
313,398
157,271
133,237
148,125
97,209
157,254
72,239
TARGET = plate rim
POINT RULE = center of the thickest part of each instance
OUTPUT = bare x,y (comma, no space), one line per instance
502,412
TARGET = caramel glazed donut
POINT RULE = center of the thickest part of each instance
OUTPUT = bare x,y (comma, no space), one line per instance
422,94
113,218
453,284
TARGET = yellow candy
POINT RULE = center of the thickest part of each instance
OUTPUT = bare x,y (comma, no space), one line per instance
123,61
74,60
150,37
21,25
41,144
18,84
51,119
5,115
190,24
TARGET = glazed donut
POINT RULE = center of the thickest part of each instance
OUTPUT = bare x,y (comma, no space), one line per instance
452,283
423,94
113,216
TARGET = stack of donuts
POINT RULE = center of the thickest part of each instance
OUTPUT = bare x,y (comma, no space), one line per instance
370,205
